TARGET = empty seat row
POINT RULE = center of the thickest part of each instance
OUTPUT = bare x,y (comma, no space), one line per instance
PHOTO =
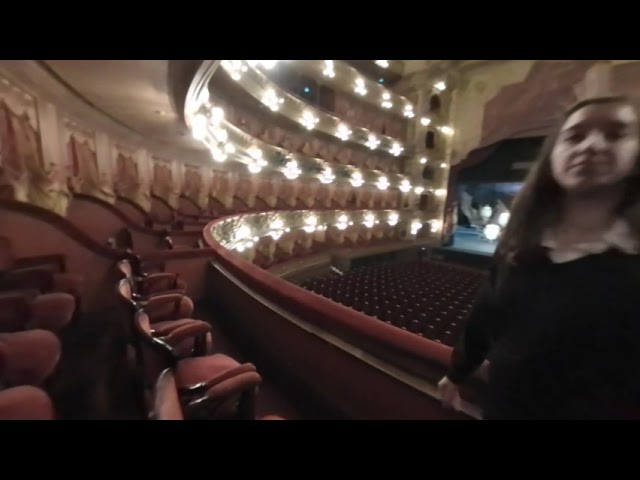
427,298
168,343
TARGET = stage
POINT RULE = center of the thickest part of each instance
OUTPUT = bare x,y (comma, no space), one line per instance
471,240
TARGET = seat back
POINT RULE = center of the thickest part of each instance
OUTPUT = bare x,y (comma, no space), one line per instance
28,358
166,402
14,311
26,403
153,354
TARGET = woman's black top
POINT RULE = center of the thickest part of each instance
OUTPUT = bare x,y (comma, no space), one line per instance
562,339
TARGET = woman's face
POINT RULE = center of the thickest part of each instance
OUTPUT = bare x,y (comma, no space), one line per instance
597,148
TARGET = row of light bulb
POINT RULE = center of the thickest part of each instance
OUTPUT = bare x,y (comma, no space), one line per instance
424,160
237,68
386,102
309,119
209,129
244,237
385,99
329,72
292,170
359,87
221,148
444,129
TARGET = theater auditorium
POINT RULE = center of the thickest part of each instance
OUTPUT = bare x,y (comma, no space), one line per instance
259,239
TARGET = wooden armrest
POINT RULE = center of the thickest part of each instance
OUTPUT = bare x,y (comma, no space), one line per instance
190,330
202,387
153,305
157,282
245,384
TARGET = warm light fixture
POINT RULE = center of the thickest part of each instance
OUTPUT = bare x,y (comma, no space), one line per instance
405,186
343,132
356,179
383,183
372,142
408,111
360,88
308,120
396,149
328,69
436,225
492,232
327,175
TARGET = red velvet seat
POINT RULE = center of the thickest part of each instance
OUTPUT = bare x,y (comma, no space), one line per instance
26,403
52,311
28,358
28,309
205,383
46,273
169,315
144,285
167,404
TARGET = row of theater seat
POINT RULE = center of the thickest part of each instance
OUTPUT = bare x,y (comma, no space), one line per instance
179,374
42,273
27,361
427,298
39,300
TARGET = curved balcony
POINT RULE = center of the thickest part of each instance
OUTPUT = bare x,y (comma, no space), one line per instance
228,142
325,345
261,88
391,70
245,230
260,124
342,77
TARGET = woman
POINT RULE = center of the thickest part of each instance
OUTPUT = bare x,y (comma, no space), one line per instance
559,319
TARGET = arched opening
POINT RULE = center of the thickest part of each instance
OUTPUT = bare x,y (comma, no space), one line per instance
326,98
430,140
425,201
434,103
427,173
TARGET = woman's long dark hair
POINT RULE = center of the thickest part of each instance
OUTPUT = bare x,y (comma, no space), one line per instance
536,206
